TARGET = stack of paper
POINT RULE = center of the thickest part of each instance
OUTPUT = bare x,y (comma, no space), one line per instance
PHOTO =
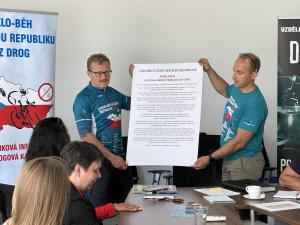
221,199
287,194
216,191
278,206
154,189
158,196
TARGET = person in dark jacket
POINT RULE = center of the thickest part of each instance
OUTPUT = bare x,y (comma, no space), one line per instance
83,161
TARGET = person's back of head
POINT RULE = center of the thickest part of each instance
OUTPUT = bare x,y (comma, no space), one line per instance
41,193
80,153
49,136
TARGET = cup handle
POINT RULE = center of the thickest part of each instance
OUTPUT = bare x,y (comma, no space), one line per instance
247,189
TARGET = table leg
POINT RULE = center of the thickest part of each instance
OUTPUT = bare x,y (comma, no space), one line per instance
252,217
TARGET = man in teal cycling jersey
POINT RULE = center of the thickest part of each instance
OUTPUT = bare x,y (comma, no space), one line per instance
102,103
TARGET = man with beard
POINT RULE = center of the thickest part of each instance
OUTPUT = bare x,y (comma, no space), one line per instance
103,104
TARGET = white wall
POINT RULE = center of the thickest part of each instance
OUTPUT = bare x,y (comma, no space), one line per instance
156,31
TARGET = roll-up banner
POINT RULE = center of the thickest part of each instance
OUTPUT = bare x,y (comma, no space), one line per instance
288,98
27,69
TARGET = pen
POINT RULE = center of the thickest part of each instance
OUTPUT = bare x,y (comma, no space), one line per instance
167,192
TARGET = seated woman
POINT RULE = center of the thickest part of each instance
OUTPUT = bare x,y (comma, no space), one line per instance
41,193
83,161
49,137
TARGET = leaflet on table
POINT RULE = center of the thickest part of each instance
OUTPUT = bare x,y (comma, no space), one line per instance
216,191
221,199
179,211
277,206
287,194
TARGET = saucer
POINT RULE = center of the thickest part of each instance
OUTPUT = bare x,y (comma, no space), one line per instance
262,196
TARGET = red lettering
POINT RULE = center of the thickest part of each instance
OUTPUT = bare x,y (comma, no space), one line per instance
8,147
23,146
22,155
9,157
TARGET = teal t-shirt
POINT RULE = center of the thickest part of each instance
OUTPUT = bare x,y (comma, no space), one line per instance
247,111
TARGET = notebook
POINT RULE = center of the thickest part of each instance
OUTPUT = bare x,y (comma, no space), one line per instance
219,199
241,185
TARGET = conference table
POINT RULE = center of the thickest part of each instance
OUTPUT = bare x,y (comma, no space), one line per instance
285,216
158,212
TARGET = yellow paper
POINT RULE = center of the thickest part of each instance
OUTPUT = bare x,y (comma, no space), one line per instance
216,190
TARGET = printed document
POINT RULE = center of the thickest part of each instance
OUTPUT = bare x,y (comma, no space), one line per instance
277,206
165,114
216,191
287,194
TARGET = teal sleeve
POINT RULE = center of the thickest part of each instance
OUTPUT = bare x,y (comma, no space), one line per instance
83,115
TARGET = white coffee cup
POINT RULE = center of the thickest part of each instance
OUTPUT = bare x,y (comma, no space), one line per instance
253,191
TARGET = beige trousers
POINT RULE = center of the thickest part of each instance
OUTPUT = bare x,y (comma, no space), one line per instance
243,168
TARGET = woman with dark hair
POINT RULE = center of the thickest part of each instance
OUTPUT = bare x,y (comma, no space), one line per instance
49,137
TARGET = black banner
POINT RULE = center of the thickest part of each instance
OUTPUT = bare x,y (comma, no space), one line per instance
288,99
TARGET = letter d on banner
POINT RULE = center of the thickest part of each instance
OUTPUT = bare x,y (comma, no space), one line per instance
294,52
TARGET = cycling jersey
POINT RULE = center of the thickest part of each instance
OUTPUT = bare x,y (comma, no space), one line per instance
105,106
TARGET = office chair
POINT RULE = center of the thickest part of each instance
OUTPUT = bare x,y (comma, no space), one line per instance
212,175
268,170
7,191
3,214
135,177
168,178
157,175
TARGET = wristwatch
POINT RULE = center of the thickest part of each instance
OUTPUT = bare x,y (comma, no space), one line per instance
211,159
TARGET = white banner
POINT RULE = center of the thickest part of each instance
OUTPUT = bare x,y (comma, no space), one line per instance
27,71
165,114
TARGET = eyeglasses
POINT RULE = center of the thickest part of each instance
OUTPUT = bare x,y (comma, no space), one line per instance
100,73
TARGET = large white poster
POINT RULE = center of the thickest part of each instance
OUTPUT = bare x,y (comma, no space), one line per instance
165,114
27,69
